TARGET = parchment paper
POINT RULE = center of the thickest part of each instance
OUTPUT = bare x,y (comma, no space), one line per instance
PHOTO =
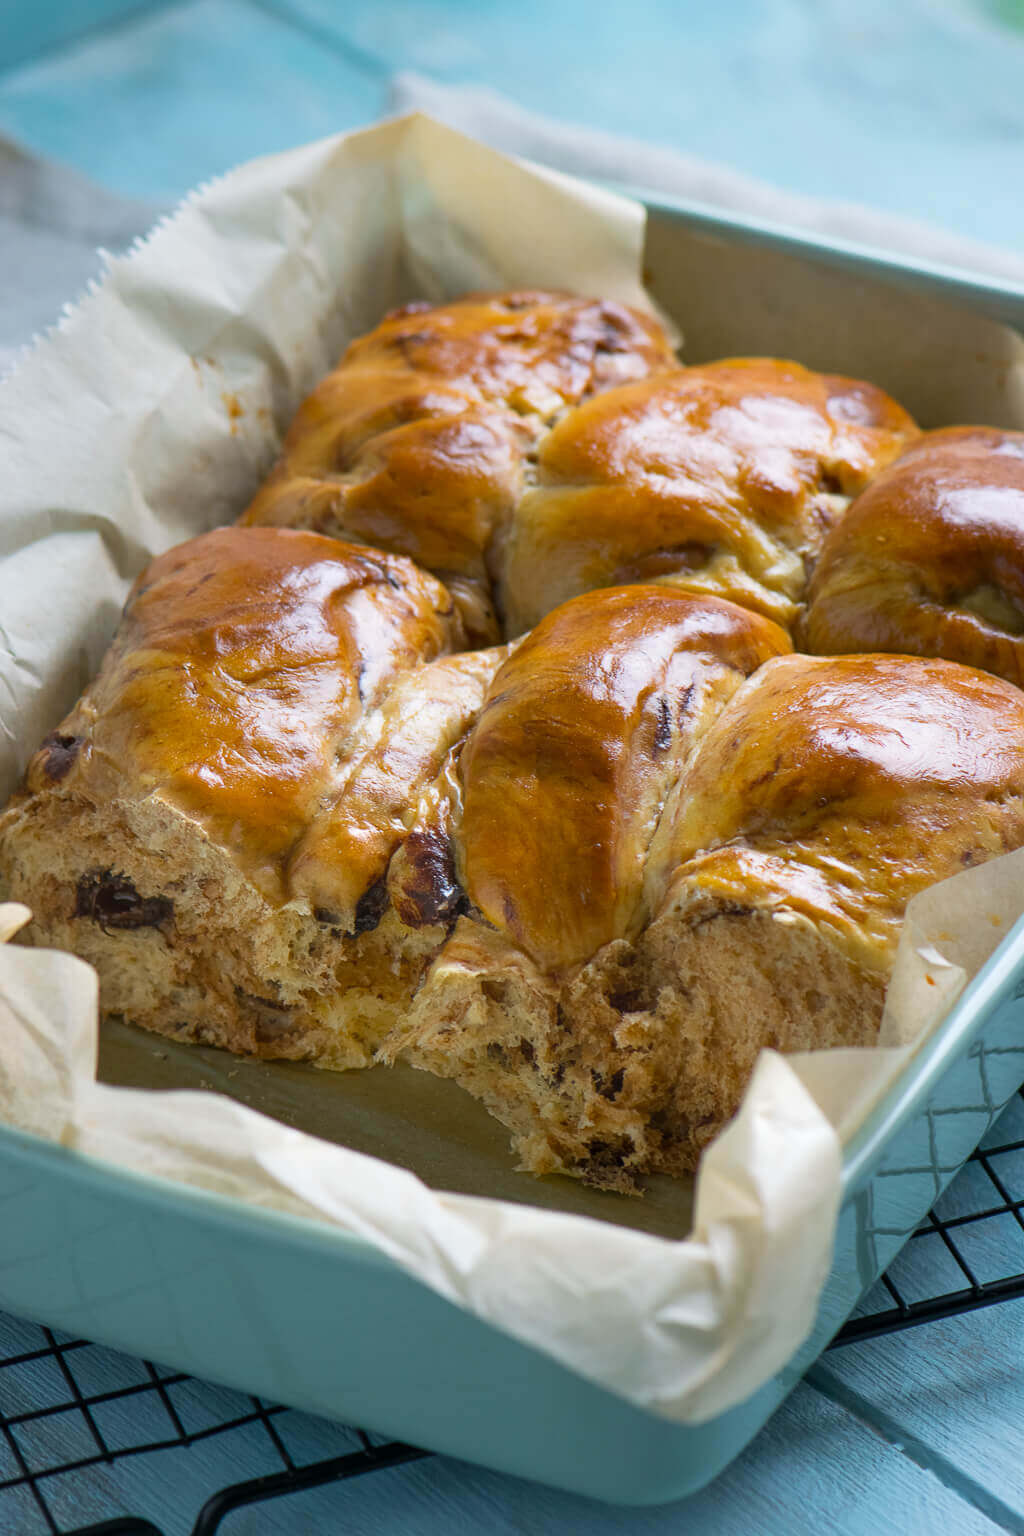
149,416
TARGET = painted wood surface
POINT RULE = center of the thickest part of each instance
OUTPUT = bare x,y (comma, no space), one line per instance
914,108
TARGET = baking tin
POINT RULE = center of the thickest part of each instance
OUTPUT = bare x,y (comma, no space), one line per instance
301,1313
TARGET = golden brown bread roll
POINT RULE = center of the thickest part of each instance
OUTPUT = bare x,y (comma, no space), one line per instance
827,795
723,478
212,824
582,732
419,442
587,874
930,558
824,795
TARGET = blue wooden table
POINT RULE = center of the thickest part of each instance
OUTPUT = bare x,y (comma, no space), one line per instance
916,108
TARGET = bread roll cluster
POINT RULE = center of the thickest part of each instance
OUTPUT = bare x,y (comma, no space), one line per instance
557,718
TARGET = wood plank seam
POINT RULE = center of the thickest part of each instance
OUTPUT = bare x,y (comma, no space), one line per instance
907,1444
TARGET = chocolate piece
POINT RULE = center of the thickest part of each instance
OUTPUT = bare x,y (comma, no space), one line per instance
57,755
430,892
370,907
113,901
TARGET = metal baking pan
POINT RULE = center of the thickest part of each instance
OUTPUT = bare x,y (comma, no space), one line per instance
307,1315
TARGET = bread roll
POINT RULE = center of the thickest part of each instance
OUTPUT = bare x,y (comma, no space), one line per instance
723,479
212,824
420,441
583,733
824,795
930,558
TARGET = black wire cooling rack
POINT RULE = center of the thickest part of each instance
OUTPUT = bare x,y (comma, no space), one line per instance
85,1383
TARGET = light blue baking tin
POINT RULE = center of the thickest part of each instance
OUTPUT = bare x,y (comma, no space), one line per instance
305,1315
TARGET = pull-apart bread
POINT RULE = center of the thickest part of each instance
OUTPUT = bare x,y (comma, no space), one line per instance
481,741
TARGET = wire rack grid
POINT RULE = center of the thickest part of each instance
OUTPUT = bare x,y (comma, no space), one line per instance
91,1394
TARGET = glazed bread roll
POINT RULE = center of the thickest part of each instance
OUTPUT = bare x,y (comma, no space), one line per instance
581,735
420,441
930,558
822,797
213,823
723,479
782,873
590,872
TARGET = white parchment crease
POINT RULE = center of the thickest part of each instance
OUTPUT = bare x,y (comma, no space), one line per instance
150,415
